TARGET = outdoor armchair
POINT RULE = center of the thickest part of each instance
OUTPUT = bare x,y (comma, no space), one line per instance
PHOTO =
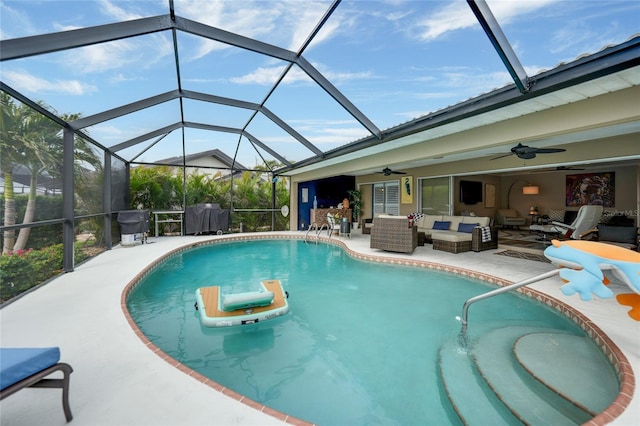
509,218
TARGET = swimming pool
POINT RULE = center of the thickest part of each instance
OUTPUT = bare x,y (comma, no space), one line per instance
357,346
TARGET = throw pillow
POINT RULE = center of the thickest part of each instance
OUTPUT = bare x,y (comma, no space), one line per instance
467,227
441,225
618,234
556,215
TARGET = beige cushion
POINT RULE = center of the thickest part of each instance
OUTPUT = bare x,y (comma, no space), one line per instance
455,221
428,220
388,216
451,236
480,220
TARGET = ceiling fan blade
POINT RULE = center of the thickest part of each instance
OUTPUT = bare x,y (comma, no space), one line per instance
502,156
549,150
398,173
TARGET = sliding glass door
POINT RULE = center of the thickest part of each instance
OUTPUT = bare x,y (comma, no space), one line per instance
436,195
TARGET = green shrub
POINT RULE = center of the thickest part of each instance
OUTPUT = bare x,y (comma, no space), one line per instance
25,269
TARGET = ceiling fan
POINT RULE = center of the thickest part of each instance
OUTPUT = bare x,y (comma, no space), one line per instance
528,152
388,172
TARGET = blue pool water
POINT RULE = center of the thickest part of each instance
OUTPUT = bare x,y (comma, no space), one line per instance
359,346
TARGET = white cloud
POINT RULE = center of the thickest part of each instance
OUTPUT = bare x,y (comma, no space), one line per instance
453,17
16,20
285,23
241,17
139,53
304,18
268,76
110,8
264,76
102,57
458,15
24,82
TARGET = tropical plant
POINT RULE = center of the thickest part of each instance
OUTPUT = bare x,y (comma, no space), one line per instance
160,188
155,188
355,202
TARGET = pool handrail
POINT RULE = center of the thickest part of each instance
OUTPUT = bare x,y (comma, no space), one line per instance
314,225
495,292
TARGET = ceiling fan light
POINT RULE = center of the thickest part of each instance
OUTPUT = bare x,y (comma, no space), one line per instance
531,190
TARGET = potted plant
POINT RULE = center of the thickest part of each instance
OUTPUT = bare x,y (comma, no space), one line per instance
356,205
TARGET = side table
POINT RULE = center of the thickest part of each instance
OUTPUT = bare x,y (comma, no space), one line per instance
345,229
171,219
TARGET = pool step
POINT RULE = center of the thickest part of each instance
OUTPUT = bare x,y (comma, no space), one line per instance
569,365
472,399
525,374
527,398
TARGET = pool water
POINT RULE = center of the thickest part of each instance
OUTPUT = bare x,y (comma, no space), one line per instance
359,345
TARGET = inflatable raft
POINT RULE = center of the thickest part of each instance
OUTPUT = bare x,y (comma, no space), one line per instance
218,310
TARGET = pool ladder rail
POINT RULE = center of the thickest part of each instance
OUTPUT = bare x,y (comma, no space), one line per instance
462,337
318,230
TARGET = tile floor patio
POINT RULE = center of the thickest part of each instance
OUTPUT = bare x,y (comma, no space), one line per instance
117,380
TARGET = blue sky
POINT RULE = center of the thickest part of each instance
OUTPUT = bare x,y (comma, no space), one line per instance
395,60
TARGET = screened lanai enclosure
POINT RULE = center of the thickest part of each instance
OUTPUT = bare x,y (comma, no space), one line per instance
110,106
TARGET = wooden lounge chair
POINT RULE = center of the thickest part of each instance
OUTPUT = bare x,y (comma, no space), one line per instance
29,367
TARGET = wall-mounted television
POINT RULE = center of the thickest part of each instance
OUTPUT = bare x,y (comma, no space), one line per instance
470,192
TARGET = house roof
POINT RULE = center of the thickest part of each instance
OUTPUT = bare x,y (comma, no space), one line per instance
214,153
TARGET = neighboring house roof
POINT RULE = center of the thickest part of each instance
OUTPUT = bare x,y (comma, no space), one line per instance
192,160
22,179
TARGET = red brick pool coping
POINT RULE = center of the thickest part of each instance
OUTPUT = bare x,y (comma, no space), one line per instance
615,356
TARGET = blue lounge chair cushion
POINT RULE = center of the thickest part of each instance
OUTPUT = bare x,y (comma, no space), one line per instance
19,363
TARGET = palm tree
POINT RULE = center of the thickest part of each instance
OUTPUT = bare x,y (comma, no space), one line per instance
9,122
38,136
35,142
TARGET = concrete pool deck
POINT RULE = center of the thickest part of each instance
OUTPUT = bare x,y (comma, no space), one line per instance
117,380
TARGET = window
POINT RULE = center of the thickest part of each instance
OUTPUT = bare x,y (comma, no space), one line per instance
436,195
386,198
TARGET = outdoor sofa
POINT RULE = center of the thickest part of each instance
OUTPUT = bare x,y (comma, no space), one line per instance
457,234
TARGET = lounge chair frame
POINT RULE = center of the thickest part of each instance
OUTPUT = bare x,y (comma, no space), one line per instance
39,380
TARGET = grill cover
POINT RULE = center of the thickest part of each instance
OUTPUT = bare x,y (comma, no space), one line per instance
133,221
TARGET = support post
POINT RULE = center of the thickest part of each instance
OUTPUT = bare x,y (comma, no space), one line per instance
68,201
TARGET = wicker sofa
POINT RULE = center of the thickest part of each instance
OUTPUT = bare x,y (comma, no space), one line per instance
392,233
458,233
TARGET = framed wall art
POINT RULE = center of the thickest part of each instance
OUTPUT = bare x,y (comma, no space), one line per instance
490,195
592,189
406,190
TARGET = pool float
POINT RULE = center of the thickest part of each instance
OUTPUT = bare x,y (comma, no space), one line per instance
585,262
218,310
